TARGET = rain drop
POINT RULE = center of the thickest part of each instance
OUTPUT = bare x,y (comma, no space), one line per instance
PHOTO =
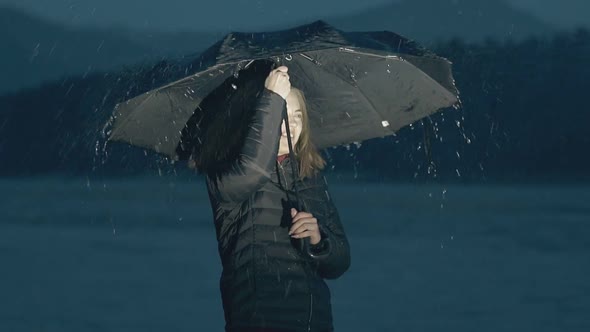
35,52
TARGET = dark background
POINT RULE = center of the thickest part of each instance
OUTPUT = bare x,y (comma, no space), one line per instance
473,219
523,116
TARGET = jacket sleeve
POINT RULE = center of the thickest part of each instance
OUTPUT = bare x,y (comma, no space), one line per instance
332,253
259,152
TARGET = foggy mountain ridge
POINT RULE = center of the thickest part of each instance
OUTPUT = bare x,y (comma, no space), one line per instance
469,20
37,50
44,51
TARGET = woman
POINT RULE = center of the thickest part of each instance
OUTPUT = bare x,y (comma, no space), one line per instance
267,284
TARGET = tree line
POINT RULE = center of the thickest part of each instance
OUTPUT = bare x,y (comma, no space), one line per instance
522,118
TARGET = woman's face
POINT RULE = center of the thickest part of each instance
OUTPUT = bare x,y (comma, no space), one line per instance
295,123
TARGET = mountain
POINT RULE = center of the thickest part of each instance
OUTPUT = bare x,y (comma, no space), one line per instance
429,21
36,50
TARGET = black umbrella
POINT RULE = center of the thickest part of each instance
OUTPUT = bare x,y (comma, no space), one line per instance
358,85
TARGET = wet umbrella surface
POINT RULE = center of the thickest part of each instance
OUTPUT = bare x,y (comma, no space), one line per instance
359,85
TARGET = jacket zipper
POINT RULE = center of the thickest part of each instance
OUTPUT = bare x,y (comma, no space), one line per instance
304,264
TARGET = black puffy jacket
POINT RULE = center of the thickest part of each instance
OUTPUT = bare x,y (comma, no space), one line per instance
267,284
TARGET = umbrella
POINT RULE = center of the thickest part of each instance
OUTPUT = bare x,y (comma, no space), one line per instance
358,85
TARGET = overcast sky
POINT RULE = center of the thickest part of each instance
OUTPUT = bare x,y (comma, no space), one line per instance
247,14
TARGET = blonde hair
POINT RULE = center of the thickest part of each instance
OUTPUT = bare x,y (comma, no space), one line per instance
309,158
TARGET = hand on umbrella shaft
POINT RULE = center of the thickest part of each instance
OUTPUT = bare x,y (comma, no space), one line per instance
278,81
305,225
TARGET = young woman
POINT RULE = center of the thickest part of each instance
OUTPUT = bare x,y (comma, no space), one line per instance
267,283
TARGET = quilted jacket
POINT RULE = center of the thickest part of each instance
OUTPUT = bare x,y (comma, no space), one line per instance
267,283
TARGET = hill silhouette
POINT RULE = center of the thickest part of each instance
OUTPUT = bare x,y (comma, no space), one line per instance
36,50
429,21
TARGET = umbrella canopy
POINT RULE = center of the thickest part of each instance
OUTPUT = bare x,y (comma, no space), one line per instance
358,85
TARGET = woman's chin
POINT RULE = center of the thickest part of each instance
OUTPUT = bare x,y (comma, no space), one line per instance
284,146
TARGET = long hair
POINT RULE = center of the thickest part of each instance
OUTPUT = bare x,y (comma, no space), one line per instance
309,158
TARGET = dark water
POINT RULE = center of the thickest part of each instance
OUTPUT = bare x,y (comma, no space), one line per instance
141,255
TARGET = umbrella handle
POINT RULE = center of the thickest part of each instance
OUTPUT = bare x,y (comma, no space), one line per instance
303,242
